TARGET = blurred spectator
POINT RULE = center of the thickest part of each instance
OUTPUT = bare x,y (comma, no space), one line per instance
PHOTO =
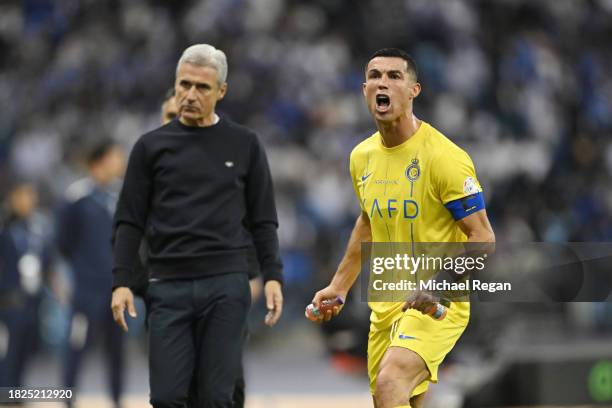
84,238
24,259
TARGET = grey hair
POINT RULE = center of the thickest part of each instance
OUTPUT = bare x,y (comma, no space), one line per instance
205,55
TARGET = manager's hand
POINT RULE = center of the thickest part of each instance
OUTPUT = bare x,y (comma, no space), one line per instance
122,299
274,302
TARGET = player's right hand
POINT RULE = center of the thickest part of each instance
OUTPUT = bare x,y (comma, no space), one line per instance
329,292
123,298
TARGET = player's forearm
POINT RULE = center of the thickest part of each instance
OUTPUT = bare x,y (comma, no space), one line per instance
480,244
481,238
478,230
350,266
485,236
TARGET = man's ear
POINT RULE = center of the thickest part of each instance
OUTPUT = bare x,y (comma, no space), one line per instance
416,90
222,91
363,89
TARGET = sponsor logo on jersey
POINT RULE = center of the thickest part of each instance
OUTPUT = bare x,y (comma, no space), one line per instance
389,208
381,181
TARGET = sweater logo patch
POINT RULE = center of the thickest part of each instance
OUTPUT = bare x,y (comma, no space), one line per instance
229,164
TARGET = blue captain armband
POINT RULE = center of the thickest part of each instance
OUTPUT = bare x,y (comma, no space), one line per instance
465,206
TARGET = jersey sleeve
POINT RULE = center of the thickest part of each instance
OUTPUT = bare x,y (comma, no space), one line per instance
457,184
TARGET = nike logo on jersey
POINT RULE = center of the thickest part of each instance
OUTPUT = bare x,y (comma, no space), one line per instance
402,336
365,177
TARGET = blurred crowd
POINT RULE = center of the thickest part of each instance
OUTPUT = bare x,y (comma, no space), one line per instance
521,85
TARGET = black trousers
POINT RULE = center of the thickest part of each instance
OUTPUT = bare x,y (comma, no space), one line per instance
240,385
195,340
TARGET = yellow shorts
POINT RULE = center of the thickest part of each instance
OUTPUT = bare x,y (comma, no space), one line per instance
429,338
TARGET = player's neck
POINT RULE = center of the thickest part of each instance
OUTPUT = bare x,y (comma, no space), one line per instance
398,131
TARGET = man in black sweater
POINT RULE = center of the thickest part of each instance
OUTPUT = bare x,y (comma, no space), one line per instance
191,188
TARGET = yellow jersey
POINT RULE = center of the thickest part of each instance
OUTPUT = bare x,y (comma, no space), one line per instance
404,189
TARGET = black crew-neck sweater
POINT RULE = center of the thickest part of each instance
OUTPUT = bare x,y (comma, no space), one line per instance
193,192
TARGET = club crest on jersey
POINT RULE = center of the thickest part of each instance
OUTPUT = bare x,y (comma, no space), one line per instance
413,171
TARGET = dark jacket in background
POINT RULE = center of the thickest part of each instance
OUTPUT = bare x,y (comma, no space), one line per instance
84,235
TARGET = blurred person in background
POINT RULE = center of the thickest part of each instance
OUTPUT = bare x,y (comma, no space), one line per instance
201,188
84,239
24,261
394,173
169,110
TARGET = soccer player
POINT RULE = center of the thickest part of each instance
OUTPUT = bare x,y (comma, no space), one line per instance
412,183
84,229
200,190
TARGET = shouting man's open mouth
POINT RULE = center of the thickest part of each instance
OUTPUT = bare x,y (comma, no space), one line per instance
383,103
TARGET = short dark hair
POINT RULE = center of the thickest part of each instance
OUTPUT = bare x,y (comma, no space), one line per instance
398,53
99,150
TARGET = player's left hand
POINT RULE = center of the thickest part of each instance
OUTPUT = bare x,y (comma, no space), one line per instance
420,300
274,302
